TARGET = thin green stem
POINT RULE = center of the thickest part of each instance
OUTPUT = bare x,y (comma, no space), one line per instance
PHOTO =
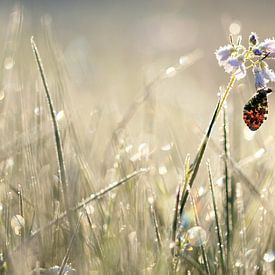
58,142
226,178
218,228
194,168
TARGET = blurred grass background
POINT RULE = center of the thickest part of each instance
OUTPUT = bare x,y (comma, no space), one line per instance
100,57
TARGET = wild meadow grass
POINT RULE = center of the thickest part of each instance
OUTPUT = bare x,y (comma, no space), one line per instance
141,204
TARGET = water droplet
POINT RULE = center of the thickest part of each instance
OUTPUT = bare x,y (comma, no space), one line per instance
128,148
167,147
17,224
117,157
162,170
201,191
60,115
200,259
183,60
238,263
197,236
269,256
259,153
9,163
171,71
219,182
151,200
9,63
143,151
94,226
135,157
37,111
186,219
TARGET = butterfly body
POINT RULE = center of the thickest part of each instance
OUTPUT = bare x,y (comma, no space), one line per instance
256,109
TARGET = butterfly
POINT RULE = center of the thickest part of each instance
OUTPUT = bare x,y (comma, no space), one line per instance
256,109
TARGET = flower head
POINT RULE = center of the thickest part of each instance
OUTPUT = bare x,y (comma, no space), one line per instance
236,59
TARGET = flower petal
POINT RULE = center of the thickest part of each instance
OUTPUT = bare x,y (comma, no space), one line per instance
260,81
223,53
240,72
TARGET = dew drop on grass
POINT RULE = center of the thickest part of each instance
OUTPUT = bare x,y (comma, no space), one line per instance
238,263
94,226
162,170
151,200
170,72
17,224
143,150
128,148
105,227
37,111
167,147
60,115
197,236
9,63
9,163
219,182
269,256
259,153
201,191
200,259
183,60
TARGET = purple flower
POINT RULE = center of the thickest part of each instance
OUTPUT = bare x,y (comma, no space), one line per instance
268,46
257,51
263,75
253,38
223,53
236,65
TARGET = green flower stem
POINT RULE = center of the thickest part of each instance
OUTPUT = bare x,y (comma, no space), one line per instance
194,167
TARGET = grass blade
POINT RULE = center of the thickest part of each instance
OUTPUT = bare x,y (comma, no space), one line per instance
66,257
216,220
226,180
58,142
91,198
194,168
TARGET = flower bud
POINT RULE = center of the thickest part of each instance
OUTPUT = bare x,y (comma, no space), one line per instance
253,39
